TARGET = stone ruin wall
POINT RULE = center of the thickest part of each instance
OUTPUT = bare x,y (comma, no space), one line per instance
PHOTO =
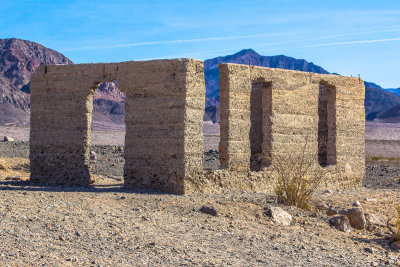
294,110
263,111
164,108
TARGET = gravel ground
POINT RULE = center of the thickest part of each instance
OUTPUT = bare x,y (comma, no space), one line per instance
380,174
104,225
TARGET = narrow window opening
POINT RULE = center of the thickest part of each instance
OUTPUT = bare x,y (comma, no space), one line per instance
326,125
260,125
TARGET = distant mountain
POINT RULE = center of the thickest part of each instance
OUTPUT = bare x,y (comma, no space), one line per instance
391,112
395,91
250,57
377,100
19,60
109,104
247,57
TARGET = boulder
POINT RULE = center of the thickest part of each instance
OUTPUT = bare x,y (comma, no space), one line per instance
356,217
374,221
332,211
8,139
340,222
209,210
278,215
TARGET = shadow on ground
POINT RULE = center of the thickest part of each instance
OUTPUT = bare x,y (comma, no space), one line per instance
103,188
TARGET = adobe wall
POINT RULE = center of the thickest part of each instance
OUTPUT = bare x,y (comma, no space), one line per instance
164,109
264,112
294,109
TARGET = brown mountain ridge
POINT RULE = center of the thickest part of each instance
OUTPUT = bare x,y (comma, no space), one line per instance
20,58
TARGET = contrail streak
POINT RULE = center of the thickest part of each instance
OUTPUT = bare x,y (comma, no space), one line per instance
222,38
355,42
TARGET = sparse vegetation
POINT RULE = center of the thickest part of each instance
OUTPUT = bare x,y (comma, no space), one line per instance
298,176
396,229
3,166
376,158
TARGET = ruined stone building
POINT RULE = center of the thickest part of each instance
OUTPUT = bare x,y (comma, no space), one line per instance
263,111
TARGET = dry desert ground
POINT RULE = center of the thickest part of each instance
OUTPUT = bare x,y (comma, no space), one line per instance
105,225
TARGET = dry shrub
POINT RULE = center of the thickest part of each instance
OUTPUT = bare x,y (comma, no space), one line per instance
3,166
396,229
298,176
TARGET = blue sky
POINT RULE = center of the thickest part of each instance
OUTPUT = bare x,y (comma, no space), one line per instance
347,37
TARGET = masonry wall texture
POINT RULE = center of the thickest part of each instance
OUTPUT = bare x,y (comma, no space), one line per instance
263,112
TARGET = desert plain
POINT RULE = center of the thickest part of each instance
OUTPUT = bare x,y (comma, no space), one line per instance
106,225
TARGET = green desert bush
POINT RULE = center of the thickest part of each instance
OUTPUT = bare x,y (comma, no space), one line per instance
297,177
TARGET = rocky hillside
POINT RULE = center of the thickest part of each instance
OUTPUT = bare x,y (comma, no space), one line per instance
395,91
377,100
247,57
108,104
379,103
19,60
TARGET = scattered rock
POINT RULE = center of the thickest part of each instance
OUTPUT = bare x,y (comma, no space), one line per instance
340,222
209,210
322,206
152,244
328,192
395,246
356,204
3,166
8,139
144,218
278,215
374,221
93,155
92,179
369,250
332,211
356,217
371,199
9,178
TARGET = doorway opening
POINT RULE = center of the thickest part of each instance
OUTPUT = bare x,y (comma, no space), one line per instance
106,156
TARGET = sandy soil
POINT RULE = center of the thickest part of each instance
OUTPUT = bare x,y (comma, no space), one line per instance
112,134
382,131
105,225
